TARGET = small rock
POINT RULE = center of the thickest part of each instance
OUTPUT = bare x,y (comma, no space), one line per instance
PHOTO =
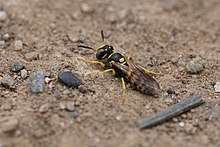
174,32
3,15
17,66
62,105
24,74
85,8
195,65
181,124
70,106
10,126
7,81
217,87
47,80
18,45
112,18
73,36
171,90
2,42
216,112
31,56
44,108
6,37
69,79
37,82
118,118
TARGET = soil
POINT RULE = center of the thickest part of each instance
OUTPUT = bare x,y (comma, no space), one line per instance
164,35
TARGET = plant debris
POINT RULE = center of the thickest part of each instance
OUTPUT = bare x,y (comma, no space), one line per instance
175,110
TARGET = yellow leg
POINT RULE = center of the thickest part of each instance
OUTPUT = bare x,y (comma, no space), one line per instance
110,70
148,71
123,90
93,62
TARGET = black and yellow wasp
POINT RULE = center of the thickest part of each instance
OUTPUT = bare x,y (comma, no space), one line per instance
123,67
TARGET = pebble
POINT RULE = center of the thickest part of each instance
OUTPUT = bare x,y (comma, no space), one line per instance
73,37
3,15
85,8
24,74
18,45
69,105
7,81
6,37
47,80
196,65
69,79
216,112
37,82
17,66
44,108
10,125
31,56
217,87
112,18
181,124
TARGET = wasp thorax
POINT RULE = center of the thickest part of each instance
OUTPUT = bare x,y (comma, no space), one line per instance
104,51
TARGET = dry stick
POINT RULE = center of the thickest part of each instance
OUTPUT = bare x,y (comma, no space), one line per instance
172,111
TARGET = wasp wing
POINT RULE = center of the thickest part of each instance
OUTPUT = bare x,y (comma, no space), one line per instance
144,81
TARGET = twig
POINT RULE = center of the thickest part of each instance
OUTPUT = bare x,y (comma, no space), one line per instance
172,111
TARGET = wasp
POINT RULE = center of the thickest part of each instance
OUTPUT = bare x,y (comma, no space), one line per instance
123,67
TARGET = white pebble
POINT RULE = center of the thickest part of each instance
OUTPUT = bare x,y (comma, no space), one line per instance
3,15
181,124
24,73
217,87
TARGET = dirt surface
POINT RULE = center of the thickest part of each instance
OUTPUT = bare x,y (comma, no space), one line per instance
165,36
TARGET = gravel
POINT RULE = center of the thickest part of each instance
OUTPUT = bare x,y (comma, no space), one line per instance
196,65
17,66
37,82
69,79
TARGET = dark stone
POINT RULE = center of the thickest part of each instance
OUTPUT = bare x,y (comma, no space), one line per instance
37,82
69,79
17,66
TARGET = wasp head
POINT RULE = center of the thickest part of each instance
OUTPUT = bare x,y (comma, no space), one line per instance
104,51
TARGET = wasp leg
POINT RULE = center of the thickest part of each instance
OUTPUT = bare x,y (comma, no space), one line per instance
110,70
123,90
93,62
148,71
130,53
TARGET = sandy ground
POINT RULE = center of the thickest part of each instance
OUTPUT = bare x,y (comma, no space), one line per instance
165,36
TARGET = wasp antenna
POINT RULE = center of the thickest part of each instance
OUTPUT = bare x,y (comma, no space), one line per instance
102,34
88,47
